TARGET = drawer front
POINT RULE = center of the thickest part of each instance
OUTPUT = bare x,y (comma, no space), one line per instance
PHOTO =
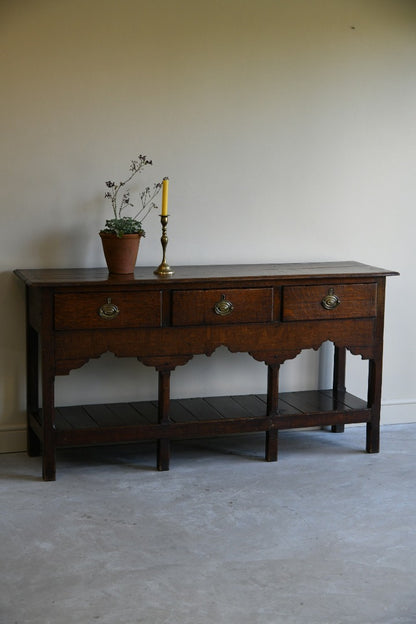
106,310
329,301
213,307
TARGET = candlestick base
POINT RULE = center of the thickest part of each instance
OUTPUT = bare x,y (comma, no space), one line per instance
164,270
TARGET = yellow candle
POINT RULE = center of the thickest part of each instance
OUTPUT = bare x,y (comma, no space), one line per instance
165,197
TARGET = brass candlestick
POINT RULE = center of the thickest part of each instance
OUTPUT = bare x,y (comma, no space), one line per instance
164,269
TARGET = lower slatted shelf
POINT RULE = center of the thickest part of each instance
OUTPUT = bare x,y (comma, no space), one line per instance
195,417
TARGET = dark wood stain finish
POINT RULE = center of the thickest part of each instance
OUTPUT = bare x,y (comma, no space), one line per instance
163,322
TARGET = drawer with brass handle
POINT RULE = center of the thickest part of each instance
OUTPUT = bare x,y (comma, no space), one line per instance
107,310
213,307
329,301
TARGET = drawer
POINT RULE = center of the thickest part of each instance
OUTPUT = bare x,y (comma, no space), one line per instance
329,301
213,307
106,310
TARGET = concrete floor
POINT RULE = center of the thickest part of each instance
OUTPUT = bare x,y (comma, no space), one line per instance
327,535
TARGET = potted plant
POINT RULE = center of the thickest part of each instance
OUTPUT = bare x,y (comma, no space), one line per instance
121,235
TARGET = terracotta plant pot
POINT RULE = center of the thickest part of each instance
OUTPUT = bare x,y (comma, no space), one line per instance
120,253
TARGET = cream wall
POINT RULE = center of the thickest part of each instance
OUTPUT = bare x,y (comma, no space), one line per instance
287,129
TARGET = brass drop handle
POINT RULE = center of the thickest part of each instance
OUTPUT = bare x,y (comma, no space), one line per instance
109,310
330,301
223,307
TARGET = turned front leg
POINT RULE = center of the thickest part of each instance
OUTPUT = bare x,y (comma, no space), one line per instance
163,444
272,408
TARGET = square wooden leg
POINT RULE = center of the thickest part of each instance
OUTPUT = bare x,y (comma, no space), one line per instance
271,445
374,402
163,454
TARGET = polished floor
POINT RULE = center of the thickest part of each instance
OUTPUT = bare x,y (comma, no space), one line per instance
327,535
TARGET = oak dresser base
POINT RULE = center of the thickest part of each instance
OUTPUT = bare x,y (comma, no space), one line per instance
272,312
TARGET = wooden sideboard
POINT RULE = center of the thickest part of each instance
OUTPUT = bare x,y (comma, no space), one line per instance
271,311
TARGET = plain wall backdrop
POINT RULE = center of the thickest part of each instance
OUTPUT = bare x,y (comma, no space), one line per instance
287,129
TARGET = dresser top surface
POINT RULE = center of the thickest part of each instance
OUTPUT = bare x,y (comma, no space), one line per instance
284,271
